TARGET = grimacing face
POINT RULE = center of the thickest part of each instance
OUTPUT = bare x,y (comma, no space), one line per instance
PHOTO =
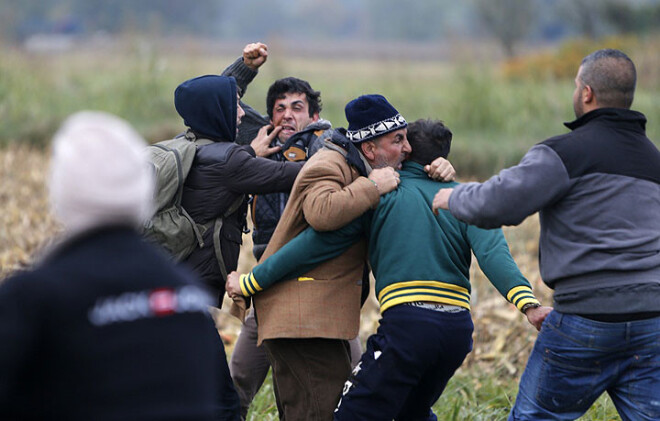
292,113
391,149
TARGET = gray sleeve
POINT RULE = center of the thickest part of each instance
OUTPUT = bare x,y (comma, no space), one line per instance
243,74
515,193
252,121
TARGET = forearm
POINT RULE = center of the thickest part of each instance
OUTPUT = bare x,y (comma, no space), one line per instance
512,195
252,121
329,206
242,73
249,174
495,260
300,255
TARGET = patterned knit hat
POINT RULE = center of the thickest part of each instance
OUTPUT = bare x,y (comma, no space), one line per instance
370,116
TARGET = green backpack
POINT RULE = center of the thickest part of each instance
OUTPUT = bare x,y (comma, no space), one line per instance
171,226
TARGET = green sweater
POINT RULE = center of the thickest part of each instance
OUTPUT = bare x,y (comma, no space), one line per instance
415,255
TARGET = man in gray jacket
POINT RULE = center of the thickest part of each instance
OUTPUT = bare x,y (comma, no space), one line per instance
597,191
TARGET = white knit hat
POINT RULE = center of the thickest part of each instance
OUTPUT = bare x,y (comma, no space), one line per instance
100,173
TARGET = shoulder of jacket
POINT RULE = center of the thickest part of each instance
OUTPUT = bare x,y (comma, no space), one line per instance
219,151
327,156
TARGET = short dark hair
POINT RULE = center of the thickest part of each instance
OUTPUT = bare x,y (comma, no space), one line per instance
429,139
612,77
286,85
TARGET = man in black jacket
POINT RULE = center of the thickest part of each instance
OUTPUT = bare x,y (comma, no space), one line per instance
105,327
222,174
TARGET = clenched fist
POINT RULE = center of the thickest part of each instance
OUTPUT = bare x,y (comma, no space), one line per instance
255,54
441,170
441,200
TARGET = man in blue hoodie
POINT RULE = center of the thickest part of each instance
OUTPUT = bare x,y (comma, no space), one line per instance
597,191
104,326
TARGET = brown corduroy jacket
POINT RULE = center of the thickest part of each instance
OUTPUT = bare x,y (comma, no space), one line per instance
324,303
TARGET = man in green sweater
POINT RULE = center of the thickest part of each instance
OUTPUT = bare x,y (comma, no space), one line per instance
421,265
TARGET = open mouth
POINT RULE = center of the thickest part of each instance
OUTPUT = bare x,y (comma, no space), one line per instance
288,130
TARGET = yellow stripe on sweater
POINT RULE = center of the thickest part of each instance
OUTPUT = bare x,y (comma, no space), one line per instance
429,284
429,291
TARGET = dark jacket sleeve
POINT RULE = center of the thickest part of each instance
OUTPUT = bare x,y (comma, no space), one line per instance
243,74
303,253
252,121
249,174
18,332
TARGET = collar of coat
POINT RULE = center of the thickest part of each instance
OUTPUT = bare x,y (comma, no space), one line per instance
340,143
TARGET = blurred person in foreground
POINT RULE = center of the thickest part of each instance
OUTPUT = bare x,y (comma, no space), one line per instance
421,263
292,130
597,190
105,327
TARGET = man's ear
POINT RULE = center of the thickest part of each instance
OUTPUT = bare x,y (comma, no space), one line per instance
369,150
588,96
315,117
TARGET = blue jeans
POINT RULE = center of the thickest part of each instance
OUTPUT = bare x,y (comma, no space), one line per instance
406,365
575,360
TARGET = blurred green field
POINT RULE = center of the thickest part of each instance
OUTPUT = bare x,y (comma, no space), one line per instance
496,110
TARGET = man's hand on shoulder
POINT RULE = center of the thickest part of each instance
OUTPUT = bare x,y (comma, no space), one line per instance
441,170
385,179
261,143
255,54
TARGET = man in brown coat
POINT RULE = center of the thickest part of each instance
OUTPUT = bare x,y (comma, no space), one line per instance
304,323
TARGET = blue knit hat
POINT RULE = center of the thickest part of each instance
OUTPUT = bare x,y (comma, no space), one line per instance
370,116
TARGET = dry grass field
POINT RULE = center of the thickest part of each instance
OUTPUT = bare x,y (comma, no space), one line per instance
501,337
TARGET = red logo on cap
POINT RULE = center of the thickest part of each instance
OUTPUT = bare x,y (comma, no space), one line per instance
162,302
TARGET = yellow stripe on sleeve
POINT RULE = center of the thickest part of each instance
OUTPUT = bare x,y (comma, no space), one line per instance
249,285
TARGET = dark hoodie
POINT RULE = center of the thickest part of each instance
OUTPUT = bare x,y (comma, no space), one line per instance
208,106
222,172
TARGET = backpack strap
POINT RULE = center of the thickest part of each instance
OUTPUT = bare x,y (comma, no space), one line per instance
217,226
217,223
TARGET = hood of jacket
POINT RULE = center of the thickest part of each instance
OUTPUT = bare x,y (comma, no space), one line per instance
207,105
